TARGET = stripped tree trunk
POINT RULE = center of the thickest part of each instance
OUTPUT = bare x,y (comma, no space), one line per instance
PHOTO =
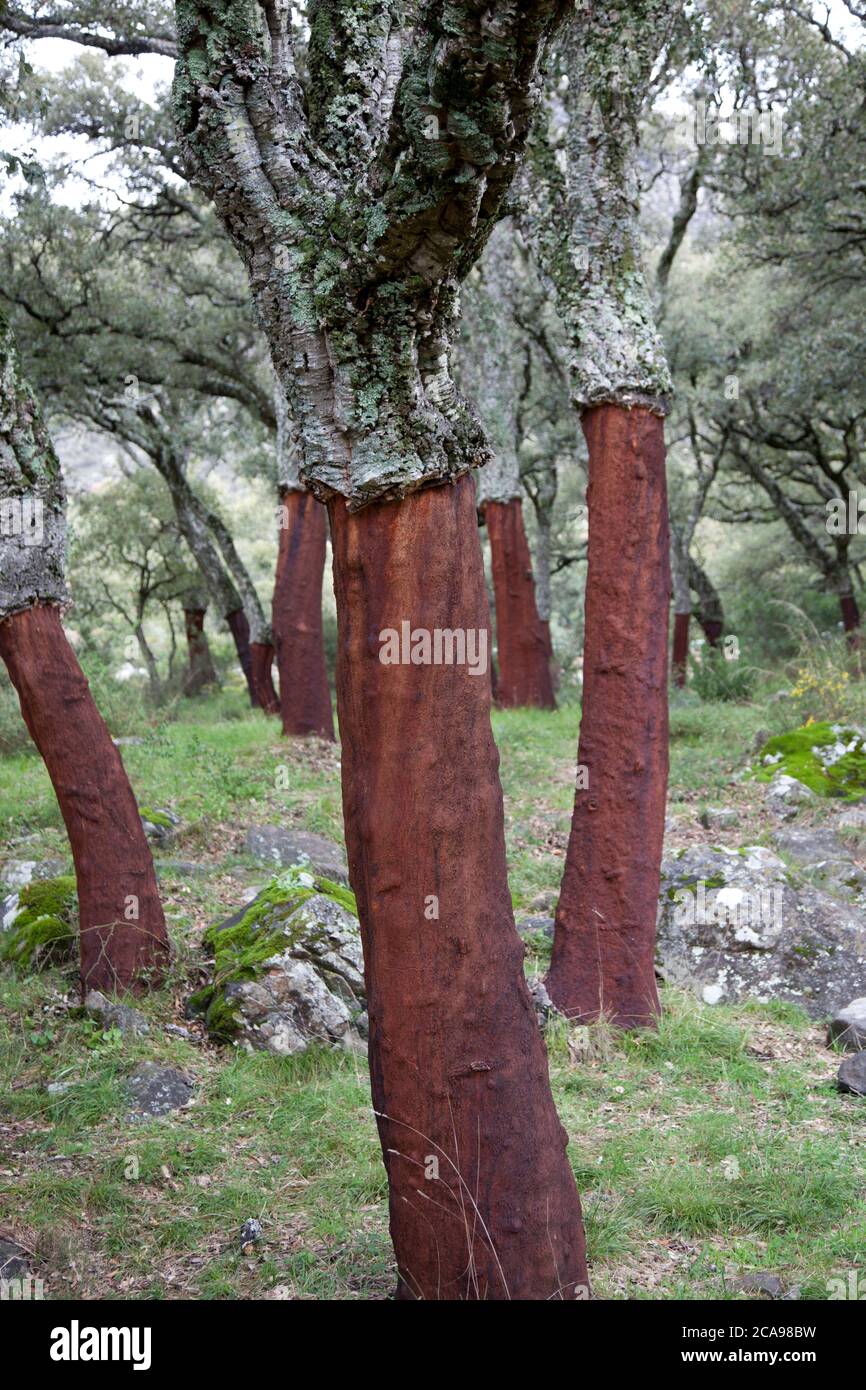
492,371
522,639
459,1071
356,219
123,938
603,960
682,607
305,700
582,218
711,614
200,673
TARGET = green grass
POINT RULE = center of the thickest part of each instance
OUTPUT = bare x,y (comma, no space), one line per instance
715,1146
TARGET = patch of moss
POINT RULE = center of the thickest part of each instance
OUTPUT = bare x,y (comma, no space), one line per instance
154,817
804,753
44,926
263,932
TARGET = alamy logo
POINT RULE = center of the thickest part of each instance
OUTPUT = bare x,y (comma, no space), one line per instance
22,516
441,646
746,912
77,1343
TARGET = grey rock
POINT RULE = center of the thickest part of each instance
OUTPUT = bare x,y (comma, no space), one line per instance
541,999
17,873
785,796
284,848
761,737
810,846
181,867
852,1075
9,910
251,1231
531,926
156,1090
848,1026
824,857
58,1088
852,819
311,992
15,1262
719,818
128,741
179,1032
113,1015
155,831
760,1282
732,927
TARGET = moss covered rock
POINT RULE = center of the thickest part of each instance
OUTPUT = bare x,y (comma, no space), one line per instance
288,969
44,927
829,759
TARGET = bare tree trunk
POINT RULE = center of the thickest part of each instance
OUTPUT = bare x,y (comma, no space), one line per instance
682,607
604,943
305,701
458,1066
522,645
711,613
262,659
201,672
124,943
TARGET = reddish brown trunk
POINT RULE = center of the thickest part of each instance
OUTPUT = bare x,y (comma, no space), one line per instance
266,697
680,657
523,676
201,671
604,942
712,631
851,620
113,864
305,701
240,630
458,1065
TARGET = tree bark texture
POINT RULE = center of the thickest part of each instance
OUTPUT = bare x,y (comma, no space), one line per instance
305,700
482,1199
522,640
604,940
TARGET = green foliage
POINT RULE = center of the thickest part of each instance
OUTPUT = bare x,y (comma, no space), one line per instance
826,757
718,680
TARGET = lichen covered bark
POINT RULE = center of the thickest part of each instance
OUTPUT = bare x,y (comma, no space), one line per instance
358,211
32,494
581,201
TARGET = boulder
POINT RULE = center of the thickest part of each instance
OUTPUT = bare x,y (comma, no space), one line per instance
285,849
848,1026
156,1090
160,824
734,925
288,969
829,759
40,924
851,1076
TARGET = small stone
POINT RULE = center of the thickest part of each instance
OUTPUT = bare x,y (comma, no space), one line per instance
15,1262
719,818
113,1015
58,1088
785,796
761,1282
160,824
848,1026
851,1076
128,741
157,1090
531,926
251,1231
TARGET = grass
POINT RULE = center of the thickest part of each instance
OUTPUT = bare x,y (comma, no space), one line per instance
716,1146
